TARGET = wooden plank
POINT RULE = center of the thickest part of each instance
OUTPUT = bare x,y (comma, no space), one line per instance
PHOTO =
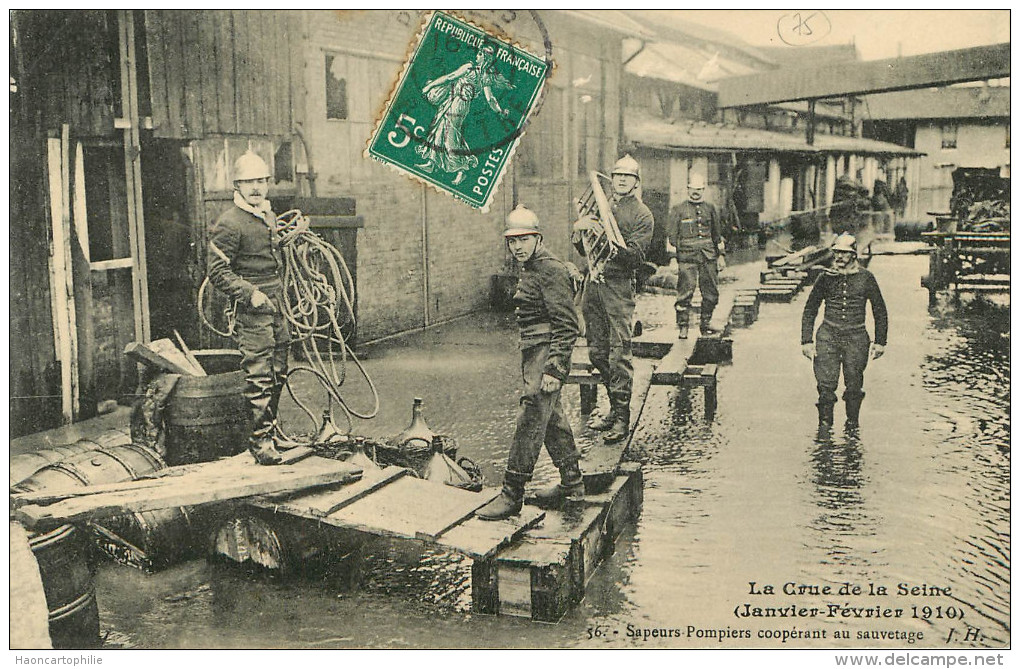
206,48
320,504
107,265
244,478
226,89
196,471
398,510
480,539
857,78
188,354
239,77
144,354
670,370
602,458
171,38
157,72
192,57
167,349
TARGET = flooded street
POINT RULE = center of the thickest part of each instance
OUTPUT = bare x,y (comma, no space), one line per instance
917,503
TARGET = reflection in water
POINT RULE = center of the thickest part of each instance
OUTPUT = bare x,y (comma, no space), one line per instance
920,495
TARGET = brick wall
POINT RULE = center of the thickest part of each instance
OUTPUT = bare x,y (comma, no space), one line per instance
462,246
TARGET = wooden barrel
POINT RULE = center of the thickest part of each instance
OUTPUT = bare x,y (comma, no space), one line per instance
106,464
25,465
68,586
207,417
150,540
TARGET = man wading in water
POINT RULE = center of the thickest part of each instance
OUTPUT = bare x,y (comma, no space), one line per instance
842,342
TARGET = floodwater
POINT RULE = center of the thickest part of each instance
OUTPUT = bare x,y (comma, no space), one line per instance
916,503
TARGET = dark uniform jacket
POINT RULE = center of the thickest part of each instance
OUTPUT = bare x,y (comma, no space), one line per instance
244,253
544,304
695,227
845,297
636,226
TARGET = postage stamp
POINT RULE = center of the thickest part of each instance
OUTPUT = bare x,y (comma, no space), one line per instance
459,109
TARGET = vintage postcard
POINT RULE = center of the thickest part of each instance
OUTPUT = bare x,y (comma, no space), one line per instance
511,329
432,127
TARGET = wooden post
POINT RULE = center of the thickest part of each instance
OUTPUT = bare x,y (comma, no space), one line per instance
133,172
61,282
811,123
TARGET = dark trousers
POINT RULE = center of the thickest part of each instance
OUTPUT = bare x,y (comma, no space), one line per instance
608,311
540,420
694,269
263,339
835,351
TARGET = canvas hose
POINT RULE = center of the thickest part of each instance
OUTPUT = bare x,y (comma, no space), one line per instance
318,305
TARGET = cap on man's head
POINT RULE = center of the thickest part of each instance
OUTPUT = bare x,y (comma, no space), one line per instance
696,182
845,242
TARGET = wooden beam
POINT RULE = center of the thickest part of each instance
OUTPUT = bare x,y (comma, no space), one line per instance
133,172
233,478
859,78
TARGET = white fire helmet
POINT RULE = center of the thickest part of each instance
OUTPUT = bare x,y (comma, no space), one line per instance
250,166
627,165
521,221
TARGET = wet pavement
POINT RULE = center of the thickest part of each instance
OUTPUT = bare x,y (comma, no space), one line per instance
919,497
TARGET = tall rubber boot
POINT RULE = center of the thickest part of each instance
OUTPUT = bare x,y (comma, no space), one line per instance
261,444
706,323
569,489
682,323
510,499
853,411
824,414
620,429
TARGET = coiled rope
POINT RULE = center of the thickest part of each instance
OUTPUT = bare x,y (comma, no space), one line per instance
318,304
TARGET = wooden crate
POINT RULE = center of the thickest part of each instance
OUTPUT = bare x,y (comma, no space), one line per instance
542,576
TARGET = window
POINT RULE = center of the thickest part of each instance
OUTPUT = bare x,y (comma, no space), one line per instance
336,88
948,135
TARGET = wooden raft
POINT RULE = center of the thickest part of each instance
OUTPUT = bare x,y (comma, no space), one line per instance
186,485
391,503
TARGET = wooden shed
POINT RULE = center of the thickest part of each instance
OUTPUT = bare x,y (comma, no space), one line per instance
124,125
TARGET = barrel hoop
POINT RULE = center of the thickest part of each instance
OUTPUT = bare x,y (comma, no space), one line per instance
144,452
53,536
73,607
69,468
209,420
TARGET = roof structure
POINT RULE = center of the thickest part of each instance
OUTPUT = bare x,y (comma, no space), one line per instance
684,64
666,25
800,56
950,102
660,134
613,20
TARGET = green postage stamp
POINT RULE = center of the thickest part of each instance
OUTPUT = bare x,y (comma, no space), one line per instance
459,109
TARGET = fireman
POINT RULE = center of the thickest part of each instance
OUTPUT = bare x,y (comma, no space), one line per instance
842,342
695,235
608,304
245,263
544,305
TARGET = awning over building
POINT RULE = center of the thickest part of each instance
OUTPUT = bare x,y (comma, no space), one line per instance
613,20
689,136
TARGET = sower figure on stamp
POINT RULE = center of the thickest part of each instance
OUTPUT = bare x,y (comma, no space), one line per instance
842,342
694,234
544,305
245,263
608,303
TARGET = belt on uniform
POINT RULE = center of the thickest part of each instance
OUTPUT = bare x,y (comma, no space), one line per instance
843,327
536,329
